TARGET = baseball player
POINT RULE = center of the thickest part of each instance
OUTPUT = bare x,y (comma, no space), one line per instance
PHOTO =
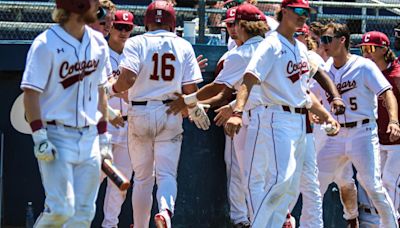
249,29
120,31
153,67
360,82
277,132
64,82
311,215
105,15
376,46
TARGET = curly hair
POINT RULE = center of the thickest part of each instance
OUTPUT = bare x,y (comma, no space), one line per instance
339,30
254,28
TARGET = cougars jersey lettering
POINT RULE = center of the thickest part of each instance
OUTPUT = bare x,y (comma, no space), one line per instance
234,66
359,82
69,70
283,82
392,74
160,59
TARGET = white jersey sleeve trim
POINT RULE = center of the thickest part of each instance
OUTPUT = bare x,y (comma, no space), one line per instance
384,90
30,86
196,81
224,83
128,68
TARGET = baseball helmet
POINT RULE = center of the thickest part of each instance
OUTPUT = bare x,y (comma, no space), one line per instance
161,12
75,6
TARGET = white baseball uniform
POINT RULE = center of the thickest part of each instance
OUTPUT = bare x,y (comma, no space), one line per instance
163,63
68,74
236,159
276,136
311,213
114,197
360,82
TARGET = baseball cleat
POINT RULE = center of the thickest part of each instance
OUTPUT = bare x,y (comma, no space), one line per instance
162,220
242,225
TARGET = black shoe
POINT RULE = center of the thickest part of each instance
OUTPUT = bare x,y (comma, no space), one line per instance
242,225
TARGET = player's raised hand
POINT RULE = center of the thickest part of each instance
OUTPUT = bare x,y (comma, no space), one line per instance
338,107
203,63
233,125
224,113
177,105
394,130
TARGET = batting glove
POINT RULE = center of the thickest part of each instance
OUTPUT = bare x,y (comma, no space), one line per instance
44,150
105,146
199,116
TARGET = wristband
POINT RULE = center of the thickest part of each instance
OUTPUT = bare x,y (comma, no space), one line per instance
337,99
102,127
190,99
36,125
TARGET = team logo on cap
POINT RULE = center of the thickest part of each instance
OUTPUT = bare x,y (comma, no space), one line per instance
366,38
159,12
125,16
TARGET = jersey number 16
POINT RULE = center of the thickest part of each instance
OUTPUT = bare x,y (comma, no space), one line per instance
165,67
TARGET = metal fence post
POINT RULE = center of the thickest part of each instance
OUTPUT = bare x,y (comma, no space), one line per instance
364,20
202,20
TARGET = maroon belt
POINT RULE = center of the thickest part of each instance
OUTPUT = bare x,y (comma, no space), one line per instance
296,110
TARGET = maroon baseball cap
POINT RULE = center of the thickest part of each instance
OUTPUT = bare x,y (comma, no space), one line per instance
297,3
123,17
375,38
230,15
305,29
249,12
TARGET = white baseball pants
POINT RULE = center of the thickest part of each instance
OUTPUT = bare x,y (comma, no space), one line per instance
368,218
360,146
276,142
390,157
155,140
114,197
71,181
311,212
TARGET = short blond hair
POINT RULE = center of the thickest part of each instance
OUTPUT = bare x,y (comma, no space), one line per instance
60,15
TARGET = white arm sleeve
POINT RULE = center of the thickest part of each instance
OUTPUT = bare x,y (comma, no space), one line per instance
262,61
191,72
374,78
131,56
232,72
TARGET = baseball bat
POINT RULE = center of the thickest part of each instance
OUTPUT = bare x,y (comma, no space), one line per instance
115,175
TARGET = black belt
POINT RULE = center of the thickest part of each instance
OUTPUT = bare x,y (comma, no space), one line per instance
125,118
353,124
369,211
296,110
53,122
145,102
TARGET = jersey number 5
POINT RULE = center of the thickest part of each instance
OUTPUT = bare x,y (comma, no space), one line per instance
353,103
165,67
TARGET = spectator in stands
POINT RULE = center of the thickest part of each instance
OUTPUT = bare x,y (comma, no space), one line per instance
106,18
397,37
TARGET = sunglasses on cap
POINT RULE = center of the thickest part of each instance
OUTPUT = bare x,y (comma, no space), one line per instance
328,39
397,32
368,49
300,11
121,27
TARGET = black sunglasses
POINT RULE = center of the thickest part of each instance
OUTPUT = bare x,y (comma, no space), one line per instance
121,27
328,39
297,34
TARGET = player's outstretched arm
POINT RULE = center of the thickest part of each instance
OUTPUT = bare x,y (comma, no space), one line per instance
125,81
234,123
337,104
392,108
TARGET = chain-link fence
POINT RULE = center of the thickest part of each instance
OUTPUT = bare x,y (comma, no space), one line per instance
23,20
